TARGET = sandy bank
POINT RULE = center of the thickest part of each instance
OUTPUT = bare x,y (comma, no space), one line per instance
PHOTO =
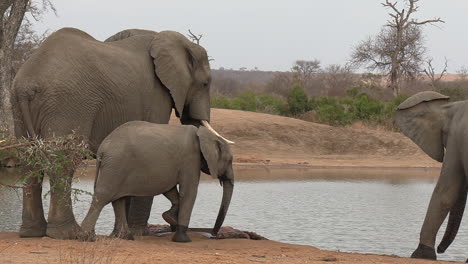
162,250
265,139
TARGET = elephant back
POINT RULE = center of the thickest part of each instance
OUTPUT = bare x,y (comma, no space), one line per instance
129,33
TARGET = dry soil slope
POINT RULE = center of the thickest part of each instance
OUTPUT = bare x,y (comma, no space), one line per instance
261,137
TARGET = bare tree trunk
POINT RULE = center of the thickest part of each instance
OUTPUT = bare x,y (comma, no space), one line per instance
394,79
6,79
11,15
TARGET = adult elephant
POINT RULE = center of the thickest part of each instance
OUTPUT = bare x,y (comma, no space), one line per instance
439,129
76,83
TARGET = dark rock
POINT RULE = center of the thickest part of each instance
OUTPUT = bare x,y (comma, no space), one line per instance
226,232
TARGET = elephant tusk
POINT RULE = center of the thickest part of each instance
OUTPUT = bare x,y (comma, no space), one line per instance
207,125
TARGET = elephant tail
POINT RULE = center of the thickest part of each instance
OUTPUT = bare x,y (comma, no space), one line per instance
455,217
26,114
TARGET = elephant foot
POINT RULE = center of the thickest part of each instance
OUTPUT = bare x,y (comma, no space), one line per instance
122,234
139,230
88,236
68,230
181,235
37,230
424,252
171,216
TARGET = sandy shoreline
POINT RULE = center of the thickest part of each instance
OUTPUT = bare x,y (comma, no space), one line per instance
161,250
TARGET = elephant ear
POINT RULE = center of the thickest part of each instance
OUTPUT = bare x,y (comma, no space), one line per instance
129,33
210,149
173,62
421,117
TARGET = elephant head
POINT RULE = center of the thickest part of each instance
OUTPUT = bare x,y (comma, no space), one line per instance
426,118
217,154
183,68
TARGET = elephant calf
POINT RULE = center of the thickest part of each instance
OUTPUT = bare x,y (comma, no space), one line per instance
145,159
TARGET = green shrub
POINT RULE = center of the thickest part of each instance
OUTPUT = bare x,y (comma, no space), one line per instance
336,111
298,102
221,102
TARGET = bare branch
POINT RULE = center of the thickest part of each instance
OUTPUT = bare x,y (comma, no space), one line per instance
12,186
392,6
194,37
430,21
16,146
430,72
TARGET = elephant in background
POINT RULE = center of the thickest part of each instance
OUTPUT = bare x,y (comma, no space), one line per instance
76,83
440,129
145,159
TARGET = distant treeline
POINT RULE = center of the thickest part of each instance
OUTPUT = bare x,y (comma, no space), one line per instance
360,98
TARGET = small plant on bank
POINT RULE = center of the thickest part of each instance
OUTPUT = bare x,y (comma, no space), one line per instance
56,157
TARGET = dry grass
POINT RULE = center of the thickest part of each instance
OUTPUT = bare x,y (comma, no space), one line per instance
103,251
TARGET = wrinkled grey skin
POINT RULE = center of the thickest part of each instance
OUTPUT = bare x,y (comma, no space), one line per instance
439,128
146,159
76,83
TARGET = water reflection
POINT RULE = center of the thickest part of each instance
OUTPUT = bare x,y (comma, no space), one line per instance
366,211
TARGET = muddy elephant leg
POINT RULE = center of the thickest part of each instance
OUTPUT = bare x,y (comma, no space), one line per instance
444,196
121,229
138,212
33,221
61,221
187,196
170,216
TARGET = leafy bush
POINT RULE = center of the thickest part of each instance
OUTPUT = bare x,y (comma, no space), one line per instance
55,157
298,102
336,111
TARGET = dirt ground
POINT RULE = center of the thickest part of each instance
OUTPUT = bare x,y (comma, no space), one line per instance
261,141
162,250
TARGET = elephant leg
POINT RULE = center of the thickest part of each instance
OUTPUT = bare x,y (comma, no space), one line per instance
170,216
445,194
187,196
61,221
33,221
138,212
91,218
121,229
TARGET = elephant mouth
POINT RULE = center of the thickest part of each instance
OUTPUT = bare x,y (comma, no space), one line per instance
208,126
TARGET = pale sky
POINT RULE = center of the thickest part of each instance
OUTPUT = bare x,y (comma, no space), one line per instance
268,34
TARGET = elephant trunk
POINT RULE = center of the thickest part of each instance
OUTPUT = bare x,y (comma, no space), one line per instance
455,217
228,187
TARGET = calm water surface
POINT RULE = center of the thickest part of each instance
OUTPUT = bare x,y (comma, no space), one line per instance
366,211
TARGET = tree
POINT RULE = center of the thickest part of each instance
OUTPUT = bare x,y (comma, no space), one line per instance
279,84
338,78
463,73
304,71
14,51
433,77
398,50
